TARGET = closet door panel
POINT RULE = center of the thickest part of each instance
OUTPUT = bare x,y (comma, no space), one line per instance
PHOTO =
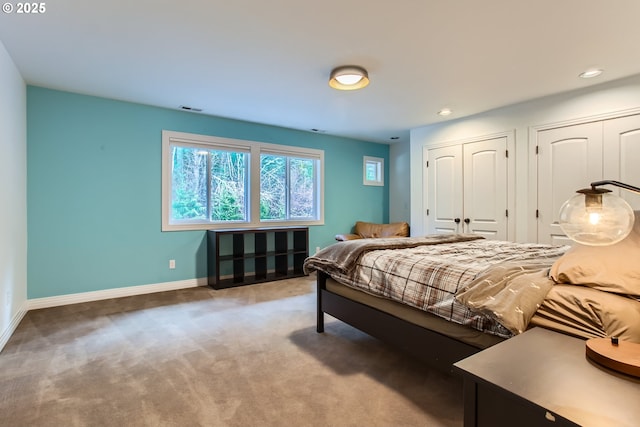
569,159
445,189
622,155
485,188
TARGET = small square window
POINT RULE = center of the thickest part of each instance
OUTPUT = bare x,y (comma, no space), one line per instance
373,171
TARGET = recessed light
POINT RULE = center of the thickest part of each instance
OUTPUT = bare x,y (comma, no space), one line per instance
444,112
594,72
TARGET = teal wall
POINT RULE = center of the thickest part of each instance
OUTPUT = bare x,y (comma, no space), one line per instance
94,191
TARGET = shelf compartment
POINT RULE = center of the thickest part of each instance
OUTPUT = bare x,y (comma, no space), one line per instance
237,257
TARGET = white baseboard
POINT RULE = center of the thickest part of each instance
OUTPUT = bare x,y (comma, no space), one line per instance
36,303
15,321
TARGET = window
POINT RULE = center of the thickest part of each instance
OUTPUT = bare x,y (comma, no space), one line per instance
211,182
287,187
208,184
373,171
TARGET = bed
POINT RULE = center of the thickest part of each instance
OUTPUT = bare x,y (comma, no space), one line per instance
444,297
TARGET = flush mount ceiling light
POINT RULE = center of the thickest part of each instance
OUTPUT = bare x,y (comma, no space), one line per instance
445,112
594,72
349,77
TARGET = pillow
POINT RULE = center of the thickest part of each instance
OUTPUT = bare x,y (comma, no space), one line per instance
588,313
614,268
508,292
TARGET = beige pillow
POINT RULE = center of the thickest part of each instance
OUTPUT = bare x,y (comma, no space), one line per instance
588,313
614,268
508,292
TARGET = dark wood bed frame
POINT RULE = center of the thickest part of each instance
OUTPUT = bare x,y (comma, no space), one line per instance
431,347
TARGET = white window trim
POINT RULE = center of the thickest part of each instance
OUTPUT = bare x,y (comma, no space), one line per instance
255,149
379,161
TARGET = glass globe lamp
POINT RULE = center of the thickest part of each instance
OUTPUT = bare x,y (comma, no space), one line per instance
595,217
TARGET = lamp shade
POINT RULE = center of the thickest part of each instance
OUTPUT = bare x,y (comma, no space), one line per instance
596,218
349,77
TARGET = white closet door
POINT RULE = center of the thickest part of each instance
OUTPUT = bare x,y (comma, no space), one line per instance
569,158
445,190
485,188
622,155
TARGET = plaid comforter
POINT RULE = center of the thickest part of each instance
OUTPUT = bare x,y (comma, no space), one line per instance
428,276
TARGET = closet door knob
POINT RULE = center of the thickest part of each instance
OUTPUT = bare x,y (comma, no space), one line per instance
457,220
467,220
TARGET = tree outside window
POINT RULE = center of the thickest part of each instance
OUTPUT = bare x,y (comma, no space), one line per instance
208,183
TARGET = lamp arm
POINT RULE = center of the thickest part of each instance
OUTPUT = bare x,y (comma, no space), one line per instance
615,184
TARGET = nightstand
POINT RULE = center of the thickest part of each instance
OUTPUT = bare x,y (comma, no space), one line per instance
543,378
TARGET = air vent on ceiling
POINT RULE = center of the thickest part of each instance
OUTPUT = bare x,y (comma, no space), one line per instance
186,108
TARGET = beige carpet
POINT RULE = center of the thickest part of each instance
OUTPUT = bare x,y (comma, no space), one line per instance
246,356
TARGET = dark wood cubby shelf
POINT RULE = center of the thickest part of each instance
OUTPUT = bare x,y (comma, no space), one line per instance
237,257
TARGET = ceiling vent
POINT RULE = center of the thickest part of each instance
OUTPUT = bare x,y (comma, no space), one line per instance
186,108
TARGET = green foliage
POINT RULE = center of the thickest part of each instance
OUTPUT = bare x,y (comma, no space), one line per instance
186,206
273,187
287,185
227,208
285,179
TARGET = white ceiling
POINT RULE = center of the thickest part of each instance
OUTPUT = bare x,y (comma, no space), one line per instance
268,61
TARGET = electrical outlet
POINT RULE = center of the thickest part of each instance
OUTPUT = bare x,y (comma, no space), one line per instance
317,249
172,264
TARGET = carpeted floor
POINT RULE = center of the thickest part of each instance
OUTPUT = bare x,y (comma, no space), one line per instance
246,356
